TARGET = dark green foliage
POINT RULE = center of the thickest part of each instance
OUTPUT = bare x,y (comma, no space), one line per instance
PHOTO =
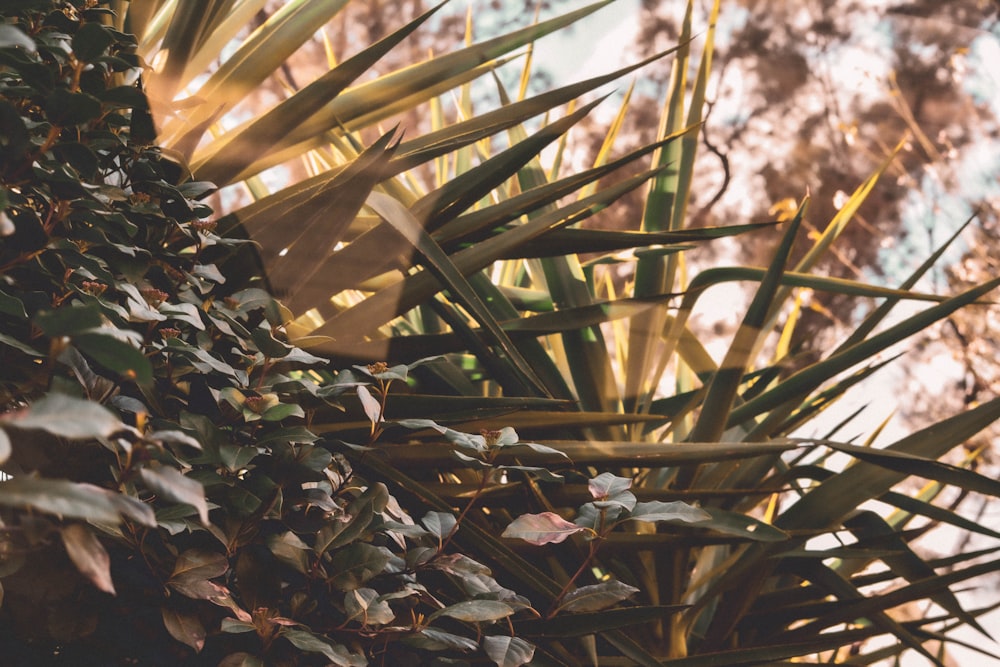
168,502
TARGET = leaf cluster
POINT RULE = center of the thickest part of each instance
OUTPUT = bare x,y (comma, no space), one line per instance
191,482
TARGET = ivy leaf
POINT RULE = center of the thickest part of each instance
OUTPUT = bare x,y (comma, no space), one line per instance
475,610
172,484
312,643
657,510
598,596
89,555
541,528
184,627
508,651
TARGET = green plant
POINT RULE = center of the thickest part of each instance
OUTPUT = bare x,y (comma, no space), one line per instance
247,504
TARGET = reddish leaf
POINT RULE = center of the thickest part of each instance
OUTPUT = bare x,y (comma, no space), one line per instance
193,570
370,404
541,528
185,628
89,555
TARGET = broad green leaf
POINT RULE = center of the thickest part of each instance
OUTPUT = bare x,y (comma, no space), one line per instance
116,355
313,643
174,485
361,512
363,605
508,651
433,639
597,596
657,510
291,550
91,41
69,320
475,611
539,529
18,345
356,564
439,524
185,627
88,555
193,570
72,500
66,417
607,485
11,36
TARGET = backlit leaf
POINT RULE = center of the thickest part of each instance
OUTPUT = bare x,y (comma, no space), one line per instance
89,555
543,528
475,610
508,651
598,596
67,417
676,510
73,500
312,643
172,484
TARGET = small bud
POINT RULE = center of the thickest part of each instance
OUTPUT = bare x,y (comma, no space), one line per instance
153,296
204,226
378,367
255,404
93,287
492,438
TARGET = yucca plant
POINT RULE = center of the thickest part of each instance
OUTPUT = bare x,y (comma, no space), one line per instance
687,527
